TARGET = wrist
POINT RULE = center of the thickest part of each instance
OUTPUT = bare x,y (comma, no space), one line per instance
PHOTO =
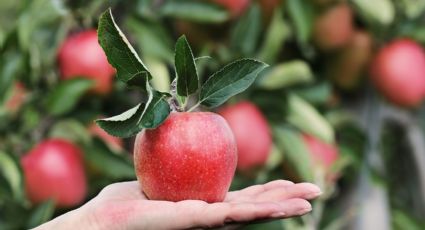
75,219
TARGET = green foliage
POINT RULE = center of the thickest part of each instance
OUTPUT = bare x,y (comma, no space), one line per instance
187,76
229,81
199,11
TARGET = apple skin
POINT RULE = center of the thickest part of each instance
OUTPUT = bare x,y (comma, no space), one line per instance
54,170
333,28
17,97
347,66
398,71
191,156
252,134
81,56
235,7
114,143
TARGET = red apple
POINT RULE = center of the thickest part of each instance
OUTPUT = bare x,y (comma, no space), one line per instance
14,102
398,71
235,7
347,66
334,27
323,154
81,56
251,132
54,170
190,156
114,143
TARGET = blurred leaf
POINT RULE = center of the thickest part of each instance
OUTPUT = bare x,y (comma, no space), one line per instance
301,13
103,160
120,53
161,81
402,220
316,94
13,174
187,76
247,31
295,152
11,64
402,173
42,213
286,74
381,12
229,81
145,115
308,119
65,96
413,8
71,130
152,38
277,33
194,10
31,19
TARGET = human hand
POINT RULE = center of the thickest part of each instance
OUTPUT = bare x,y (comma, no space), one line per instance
124,206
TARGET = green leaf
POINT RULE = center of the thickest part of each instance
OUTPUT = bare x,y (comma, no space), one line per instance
276,35
296,152
305,117
120,53
286,74
187,76
11,65
317,94
70,129
101,159
11,171
152,38
229,81
368,10
413,8
147,115
194,10
65,96
159,69
246,33
301,13
41,214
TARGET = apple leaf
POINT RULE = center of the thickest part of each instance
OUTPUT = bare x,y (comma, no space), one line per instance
66,95
187,76
305,117
247,31
194,10
145,115
229,81
286,74
120,53
301,13
11,171
41,214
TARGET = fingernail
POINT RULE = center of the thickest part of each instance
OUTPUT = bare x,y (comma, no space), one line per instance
304,210
278,215
313,194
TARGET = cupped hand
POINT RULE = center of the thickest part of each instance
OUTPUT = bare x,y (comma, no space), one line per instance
124,206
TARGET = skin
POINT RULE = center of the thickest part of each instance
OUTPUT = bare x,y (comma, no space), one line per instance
65,183
189,156
398,72
333,28
81,56
252,134
123,206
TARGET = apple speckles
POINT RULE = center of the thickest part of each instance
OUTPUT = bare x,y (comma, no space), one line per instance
190,156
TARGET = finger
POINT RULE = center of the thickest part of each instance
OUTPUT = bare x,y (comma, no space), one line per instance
255,189
122,190
302,190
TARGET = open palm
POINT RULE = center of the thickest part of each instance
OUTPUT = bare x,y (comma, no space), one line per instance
124,206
